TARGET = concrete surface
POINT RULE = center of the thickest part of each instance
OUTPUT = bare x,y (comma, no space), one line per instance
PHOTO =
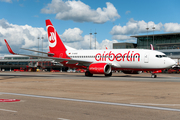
72,96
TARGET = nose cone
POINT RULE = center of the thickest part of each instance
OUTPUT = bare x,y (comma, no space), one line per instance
171,63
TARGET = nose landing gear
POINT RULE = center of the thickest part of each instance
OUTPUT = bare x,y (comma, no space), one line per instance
153,75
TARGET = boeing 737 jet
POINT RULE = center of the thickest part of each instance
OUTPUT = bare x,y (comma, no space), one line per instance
129,61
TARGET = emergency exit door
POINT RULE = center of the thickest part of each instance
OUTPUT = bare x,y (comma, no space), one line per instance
146,58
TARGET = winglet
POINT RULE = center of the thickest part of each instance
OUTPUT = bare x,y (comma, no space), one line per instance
152,48
9,48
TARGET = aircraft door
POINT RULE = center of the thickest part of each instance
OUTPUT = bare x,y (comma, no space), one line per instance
146,57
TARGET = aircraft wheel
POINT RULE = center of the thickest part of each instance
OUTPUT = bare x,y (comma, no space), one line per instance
87,73
108,75
154,76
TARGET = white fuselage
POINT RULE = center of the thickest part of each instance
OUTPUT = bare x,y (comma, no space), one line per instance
124,58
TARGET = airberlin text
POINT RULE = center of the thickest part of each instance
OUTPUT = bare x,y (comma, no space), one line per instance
129,56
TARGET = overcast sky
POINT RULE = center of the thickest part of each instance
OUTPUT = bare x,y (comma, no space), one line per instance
23,21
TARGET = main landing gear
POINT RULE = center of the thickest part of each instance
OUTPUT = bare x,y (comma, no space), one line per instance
153,75
87,73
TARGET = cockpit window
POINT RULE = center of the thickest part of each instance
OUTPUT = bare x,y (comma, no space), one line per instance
164,56
157,56
160,56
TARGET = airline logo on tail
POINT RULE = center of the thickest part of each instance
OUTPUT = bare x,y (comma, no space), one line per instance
51,36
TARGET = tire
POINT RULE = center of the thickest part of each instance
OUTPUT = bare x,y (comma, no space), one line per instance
87,73
153,76
108,75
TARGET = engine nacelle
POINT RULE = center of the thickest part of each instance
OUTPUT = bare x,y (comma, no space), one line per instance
99,68
131,72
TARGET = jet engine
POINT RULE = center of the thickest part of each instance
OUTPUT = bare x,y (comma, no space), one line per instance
131,72
100,68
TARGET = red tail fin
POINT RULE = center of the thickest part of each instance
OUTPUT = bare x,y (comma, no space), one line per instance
9,48
56,46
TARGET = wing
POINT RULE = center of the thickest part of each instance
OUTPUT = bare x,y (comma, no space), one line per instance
64,61
50,54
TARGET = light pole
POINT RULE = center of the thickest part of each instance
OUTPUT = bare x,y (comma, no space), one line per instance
38,44
147,36
38,52
95,38
90,39
153,34
42,44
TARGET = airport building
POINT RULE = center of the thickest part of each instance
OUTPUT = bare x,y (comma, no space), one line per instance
168,43
124,45
25,63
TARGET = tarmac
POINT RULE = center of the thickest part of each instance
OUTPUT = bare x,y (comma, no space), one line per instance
72,96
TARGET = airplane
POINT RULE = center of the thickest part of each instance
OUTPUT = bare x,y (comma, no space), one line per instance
129,61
